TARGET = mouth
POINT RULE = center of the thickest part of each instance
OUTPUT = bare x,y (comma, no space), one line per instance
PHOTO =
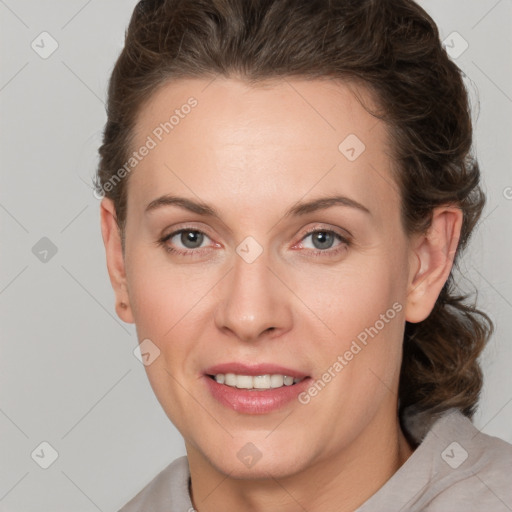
255,389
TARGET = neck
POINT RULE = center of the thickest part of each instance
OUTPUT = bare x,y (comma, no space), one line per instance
339,482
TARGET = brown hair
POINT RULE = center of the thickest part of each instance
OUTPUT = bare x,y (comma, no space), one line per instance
393,48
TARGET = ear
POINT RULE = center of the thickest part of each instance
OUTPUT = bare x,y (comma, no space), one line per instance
432,255
115,259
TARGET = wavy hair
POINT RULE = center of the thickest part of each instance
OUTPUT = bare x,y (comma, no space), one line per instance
393,48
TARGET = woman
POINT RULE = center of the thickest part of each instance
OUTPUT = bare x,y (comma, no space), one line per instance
288,184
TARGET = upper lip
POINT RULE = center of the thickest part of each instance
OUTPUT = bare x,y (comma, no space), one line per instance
253,369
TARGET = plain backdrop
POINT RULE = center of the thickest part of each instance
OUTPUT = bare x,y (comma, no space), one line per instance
68,374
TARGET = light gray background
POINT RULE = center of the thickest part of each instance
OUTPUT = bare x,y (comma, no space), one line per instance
68,373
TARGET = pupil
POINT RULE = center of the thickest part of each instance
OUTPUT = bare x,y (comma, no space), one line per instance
324,239
191,237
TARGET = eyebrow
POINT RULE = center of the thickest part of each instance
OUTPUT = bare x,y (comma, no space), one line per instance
300,208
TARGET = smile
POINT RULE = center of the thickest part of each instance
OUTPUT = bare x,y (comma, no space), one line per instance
255,382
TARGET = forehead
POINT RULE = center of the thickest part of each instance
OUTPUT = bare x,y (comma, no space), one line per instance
236,111
236,140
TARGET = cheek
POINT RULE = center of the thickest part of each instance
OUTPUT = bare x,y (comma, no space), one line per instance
170,307
354,295
362,304
167,310
162,293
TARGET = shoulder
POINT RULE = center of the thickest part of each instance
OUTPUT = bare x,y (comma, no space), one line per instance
470,449
166,491
455,467
475,467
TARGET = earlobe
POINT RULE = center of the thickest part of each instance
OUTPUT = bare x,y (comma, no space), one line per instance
432,255
115,259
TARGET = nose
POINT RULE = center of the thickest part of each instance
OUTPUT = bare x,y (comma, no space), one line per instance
253,303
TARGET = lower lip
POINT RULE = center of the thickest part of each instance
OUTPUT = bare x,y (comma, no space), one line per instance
255,401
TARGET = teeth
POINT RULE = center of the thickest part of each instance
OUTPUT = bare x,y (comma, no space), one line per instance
276,381
230,379
244,381
255,382
288,381
261,381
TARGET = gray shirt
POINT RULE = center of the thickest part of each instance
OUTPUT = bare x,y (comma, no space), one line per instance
454,468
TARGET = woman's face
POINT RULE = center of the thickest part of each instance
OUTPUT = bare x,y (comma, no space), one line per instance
293,262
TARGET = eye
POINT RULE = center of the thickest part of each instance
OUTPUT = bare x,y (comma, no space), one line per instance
185,241
323,241
190,239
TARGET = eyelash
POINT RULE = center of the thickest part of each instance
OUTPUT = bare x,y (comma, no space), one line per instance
345,243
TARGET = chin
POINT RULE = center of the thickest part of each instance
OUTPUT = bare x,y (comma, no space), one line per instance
248,462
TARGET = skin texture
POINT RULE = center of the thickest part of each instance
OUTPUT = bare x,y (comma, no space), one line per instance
252,153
